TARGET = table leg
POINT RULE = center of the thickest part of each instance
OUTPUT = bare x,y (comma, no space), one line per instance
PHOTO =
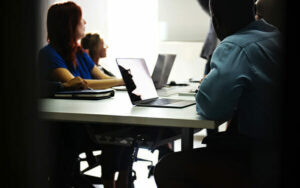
187,139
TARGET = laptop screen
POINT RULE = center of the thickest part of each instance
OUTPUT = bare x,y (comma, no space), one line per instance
137,79
162,69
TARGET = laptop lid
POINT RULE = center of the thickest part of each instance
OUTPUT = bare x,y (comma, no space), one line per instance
138,81
162,69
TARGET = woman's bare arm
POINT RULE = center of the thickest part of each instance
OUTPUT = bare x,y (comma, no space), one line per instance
105,80
104,83
64,75
98,74
61,75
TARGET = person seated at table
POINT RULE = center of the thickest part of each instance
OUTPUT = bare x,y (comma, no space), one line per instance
244,86
62,60
96,48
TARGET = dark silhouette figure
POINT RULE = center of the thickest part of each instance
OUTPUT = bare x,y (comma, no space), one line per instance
211,40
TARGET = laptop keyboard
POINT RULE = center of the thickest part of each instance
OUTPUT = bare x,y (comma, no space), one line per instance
163,101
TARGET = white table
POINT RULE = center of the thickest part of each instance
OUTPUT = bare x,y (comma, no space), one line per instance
119,110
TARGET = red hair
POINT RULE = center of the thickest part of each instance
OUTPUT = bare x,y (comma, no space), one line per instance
62,21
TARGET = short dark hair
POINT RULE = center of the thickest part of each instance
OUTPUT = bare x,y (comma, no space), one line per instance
234,14
205,5
233,9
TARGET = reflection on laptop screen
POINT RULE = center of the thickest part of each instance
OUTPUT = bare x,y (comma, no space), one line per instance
137,79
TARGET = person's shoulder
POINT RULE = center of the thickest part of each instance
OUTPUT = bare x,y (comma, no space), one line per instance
47,50
84,57
84,54
262,30
240,39
254,32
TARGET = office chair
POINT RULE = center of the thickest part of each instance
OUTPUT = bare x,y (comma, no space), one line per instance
163,150
72,139
129,136
65,143
79,178
93,161
120,136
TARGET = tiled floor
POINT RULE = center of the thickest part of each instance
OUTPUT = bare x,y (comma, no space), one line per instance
141,167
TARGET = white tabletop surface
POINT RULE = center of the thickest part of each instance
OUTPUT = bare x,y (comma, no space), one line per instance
119,110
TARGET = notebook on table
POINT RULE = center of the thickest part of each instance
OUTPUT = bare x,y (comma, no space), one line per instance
85,94
140,86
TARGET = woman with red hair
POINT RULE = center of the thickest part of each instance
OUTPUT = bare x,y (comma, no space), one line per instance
63,58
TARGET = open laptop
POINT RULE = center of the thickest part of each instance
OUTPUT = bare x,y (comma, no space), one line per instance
162,69
140,86
160,73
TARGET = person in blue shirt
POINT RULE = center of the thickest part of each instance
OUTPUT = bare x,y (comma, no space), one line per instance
64,60
243,86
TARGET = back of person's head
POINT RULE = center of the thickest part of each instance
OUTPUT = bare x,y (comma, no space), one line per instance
229,16
91,43
205,5
62,21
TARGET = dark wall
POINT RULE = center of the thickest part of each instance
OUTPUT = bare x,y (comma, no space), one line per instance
21,136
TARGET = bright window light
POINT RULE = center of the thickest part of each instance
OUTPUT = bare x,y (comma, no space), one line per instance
133,29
